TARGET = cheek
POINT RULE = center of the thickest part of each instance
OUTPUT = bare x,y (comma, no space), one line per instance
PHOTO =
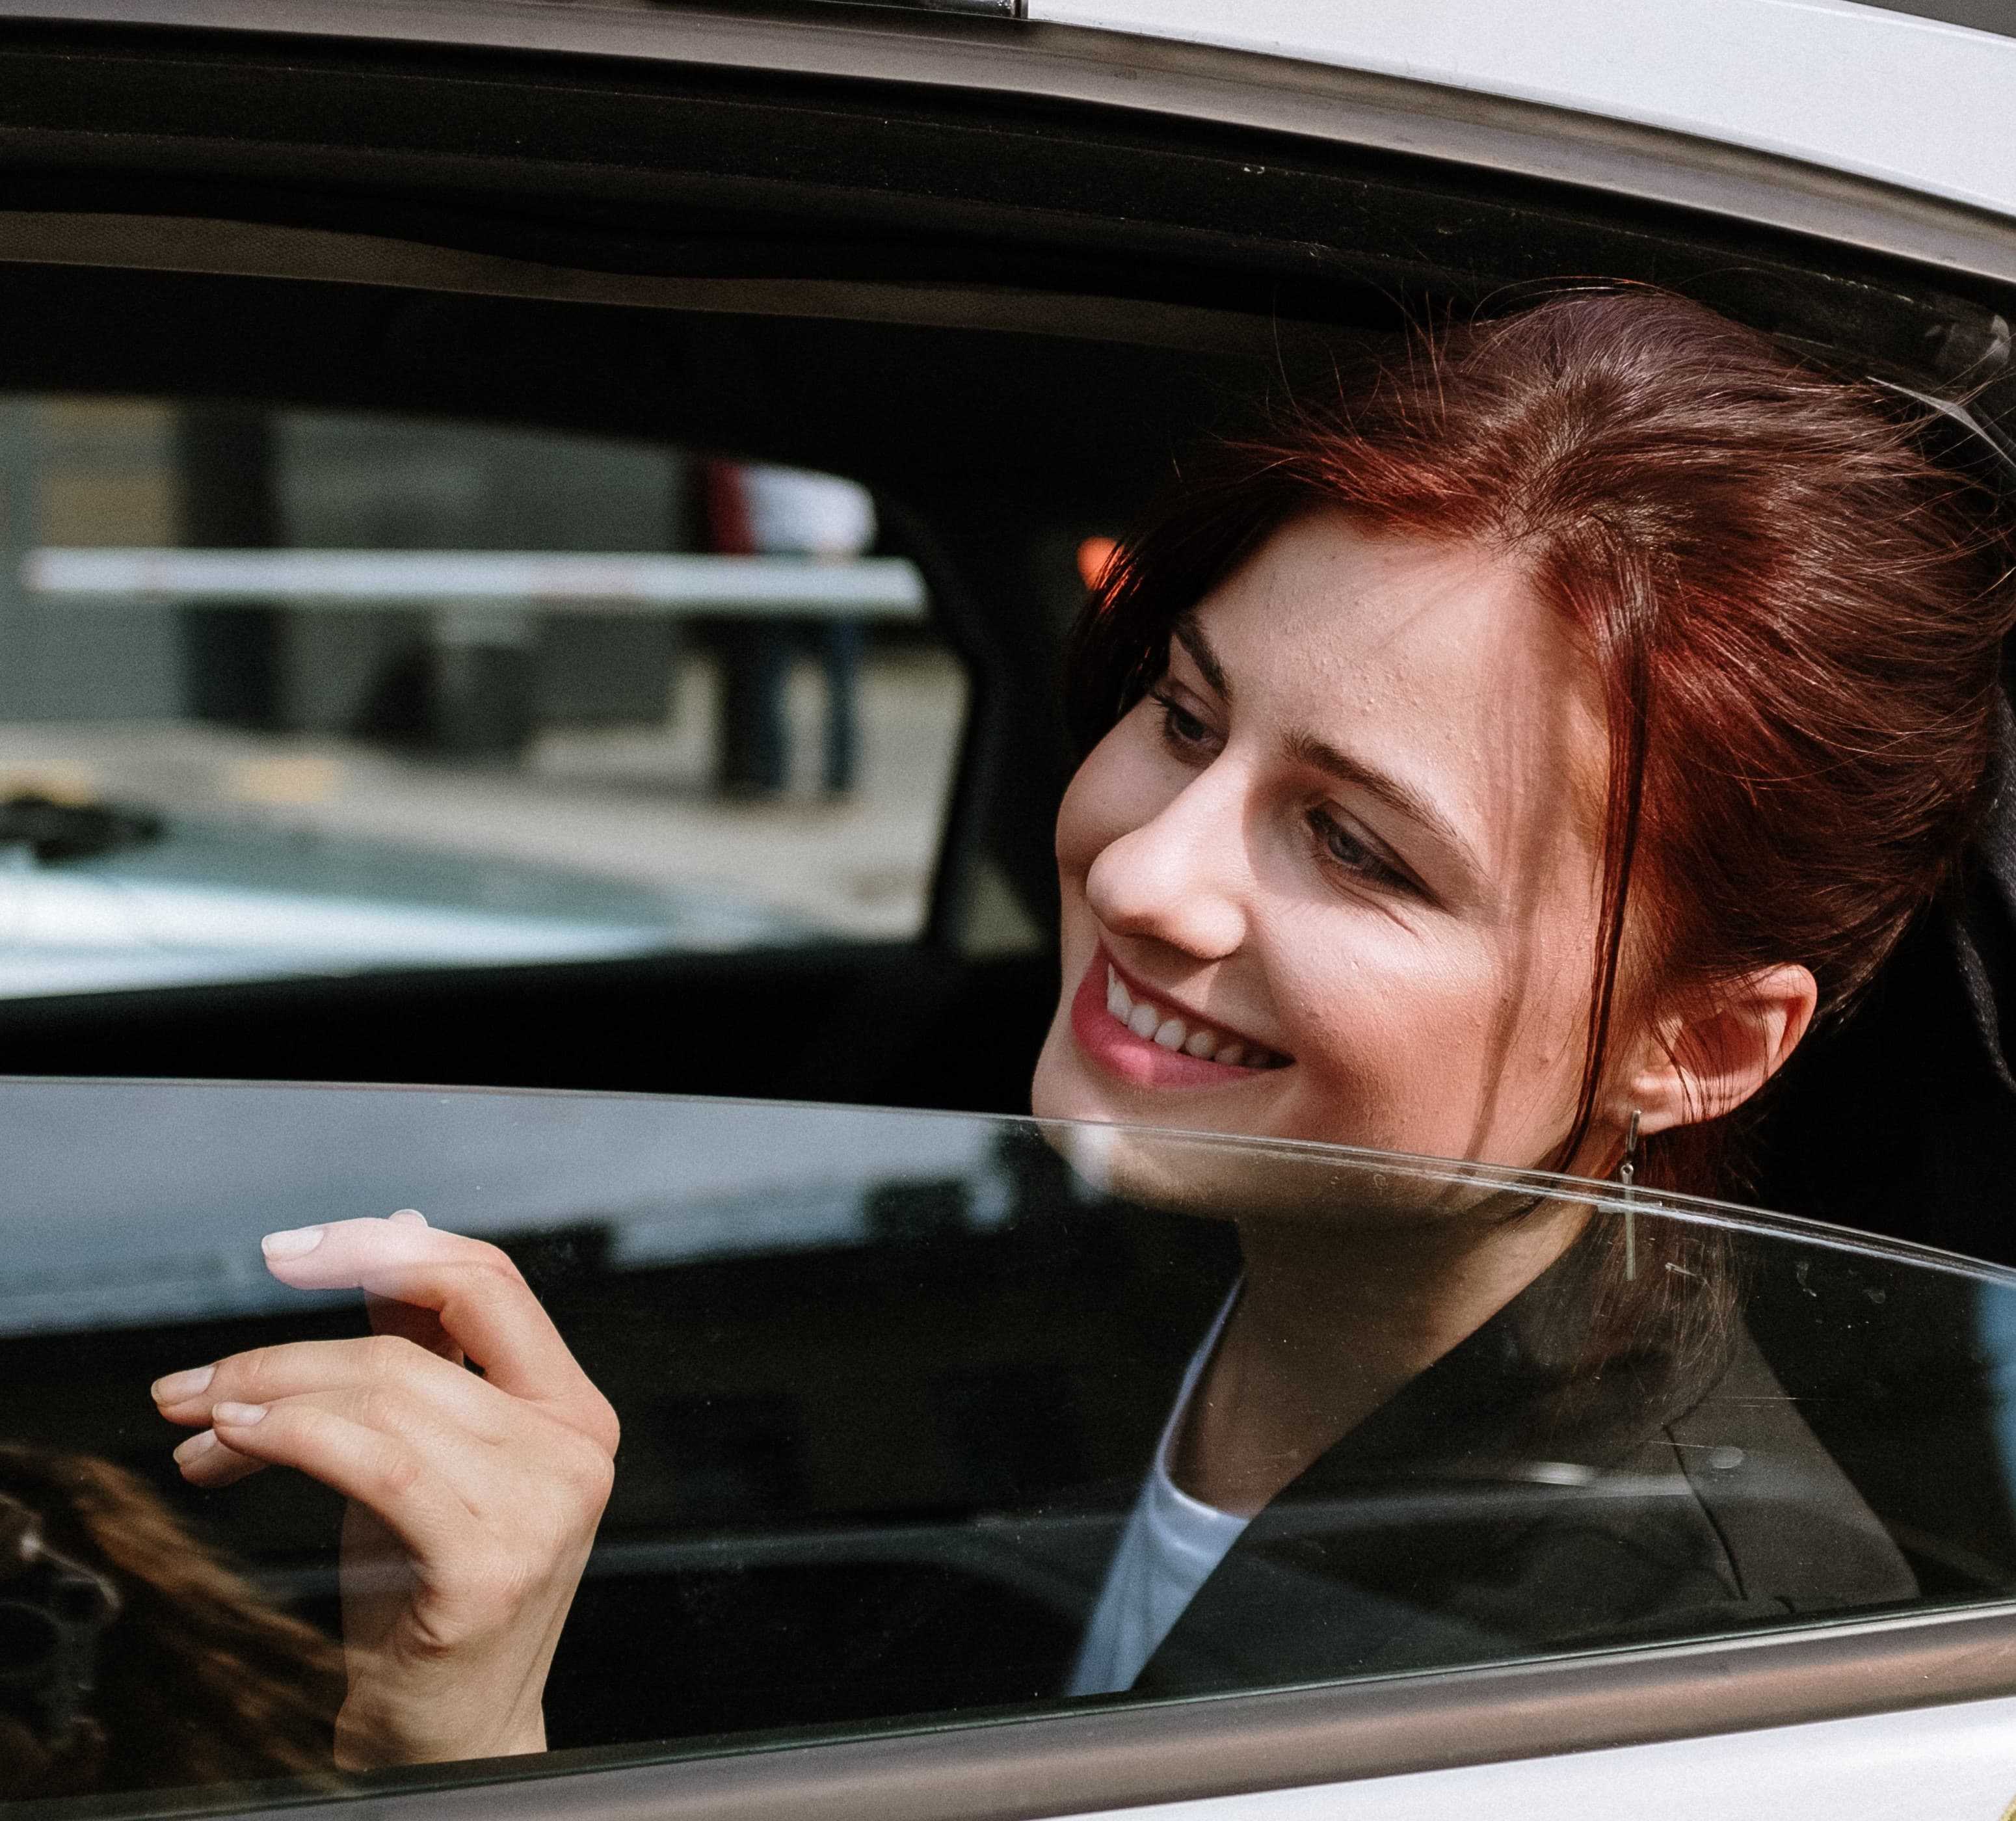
1374,1009
1432,1041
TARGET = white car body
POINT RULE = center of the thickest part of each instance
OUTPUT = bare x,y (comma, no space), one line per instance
1954,1761
1913,101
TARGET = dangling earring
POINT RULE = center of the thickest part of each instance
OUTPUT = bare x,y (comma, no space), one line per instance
1627,1172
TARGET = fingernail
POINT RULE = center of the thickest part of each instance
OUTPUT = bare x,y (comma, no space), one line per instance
196,1448
238,1416
410,1214
179,1385
293,1242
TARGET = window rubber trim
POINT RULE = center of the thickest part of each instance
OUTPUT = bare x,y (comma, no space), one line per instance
1033,61
1030,1769
210,246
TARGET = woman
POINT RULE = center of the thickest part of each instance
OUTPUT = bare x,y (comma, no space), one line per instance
1510,763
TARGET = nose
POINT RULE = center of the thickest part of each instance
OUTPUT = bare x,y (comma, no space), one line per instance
1181,877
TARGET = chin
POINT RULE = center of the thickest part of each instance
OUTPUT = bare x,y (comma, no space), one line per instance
1060,1089
1067,1085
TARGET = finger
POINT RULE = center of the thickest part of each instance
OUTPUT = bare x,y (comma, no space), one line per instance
469,1471
421,1326
445,1500
205,1461
539,1463
376,1468
483,1304
382,1365
418,1326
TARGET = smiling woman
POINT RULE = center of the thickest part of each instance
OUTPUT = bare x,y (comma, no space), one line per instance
1582,704
1507,760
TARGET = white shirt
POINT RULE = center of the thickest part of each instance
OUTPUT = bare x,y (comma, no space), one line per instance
1171,1543
792,511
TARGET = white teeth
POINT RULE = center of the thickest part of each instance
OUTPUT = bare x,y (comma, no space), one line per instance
1149,1022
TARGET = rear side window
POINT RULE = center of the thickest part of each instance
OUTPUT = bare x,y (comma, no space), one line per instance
896,1391
288,693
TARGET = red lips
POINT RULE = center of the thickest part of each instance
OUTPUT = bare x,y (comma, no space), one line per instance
1139,1061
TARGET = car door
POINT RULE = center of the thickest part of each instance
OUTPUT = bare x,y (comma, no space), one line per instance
889,1382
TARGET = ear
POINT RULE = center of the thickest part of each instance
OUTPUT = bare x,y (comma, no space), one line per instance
1699,1065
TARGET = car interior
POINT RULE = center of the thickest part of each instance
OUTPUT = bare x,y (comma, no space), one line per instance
1006,318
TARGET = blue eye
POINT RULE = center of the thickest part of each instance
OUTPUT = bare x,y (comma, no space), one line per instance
1344,849
1179,726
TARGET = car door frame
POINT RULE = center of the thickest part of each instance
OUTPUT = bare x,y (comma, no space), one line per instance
1124,1755
1010,1767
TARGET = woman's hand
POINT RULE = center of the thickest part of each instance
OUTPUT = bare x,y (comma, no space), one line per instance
473,1499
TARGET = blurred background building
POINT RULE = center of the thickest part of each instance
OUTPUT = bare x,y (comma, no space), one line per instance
309,782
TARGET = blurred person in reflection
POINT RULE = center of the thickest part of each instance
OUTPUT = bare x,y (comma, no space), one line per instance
754,510
132,1656
1527,743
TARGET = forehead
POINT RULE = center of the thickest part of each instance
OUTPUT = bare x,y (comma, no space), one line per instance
1349,603
1438,659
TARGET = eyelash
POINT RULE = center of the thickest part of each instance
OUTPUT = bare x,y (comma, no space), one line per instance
1328,830
1172,712
1324,827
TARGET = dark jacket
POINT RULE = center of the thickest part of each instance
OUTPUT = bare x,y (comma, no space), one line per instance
1522,1496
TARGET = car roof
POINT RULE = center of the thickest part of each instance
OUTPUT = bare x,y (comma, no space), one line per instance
1874,92
1871,126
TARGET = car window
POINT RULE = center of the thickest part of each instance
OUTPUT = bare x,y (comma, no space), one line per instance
294,692
896,1391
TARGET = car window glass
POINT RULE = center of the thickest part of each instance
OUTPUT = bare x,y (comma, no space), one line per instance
892,1384
290,693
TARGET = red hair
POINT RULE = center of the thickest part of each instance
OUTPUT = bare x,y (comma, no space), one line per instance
1795,612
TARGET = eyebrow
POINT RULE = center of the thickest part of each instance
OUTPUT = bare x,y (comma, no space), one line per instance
1189,636
1306,749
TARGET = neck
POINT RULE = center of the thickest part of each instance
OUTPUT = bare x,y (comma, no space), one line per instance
1330,1324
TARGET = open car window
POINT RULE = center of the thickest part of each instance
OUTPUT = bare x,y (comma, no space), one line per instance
892,1388
312,693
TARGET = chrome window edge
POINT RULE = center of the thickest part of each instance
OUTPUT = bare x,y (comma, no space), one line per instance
1601,1194
1184,82
1087,1761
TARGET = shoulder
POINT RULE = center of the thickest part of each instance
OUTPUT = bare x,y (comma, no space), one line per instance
1794,1529
1728,1515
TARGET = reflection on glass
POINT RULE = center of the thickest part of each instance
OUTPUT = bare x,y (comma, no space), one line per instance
892,1383
133,1656
283,693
